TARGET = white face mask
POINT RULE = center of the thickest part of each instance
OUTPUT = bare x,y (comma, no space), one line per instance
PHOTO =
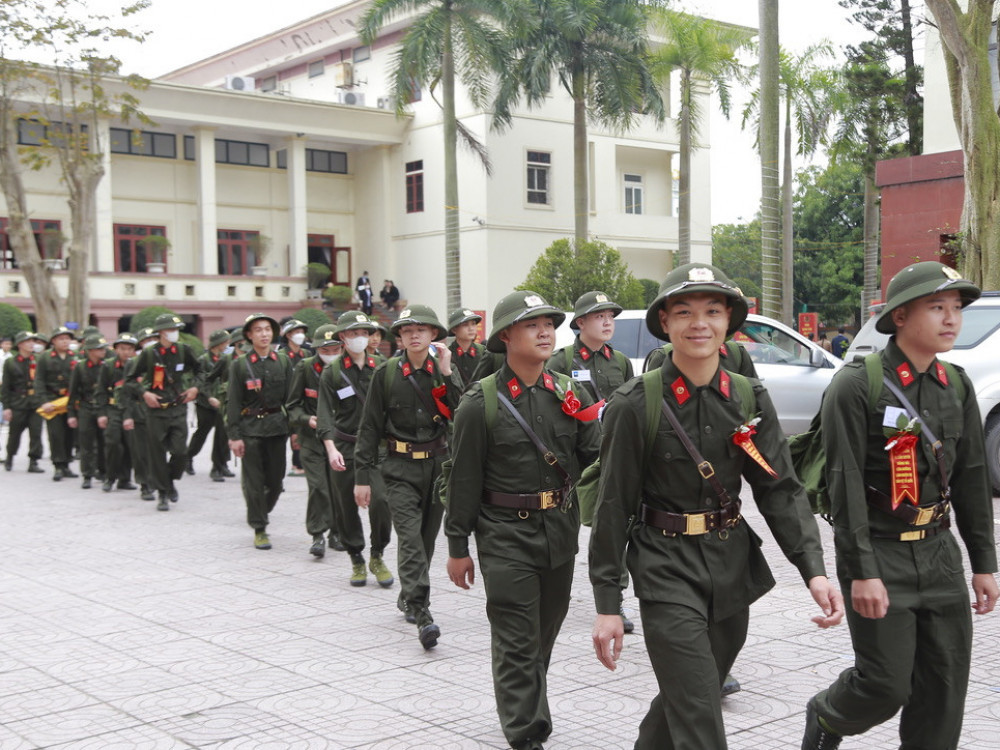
297,338
36,348
356,345
327,358
148,343
228,349
74,345
173,336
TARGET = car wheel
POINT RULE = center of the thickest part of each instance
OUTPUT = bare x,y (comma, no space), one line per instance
993,451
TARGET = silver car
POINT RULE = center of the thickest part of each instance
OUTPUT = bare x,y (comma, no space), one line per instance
975,350
794,370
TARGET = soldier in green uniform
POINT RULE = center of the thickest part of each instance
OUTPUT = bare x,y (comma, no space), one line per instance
19,399
519,506
52,383
135,417
161,372
118,441
84,407
696,565
343,390
466,352
409,405
207,409
897,562
293,345
256,423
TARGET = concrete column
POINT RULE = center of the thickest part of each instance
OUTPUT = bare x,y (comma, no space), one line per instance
298,214
206,256
103,250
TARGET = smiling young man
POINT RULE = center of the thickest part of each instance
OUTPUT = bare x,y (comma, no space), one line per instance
518,505
696,565
892,498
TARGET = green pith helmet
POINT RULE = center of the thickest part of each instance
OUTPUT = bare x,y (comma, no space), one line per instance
921,280
515,307
291,325
62,331
167,322
260,316
146,334
236,337
95,342
462,315
419,315
88,332
592,302
125,338
351,321
21,336
697,277
218,337
327,335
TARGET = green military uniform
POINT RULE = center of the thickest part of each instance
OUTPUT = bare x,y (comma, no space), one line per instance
465,361
129,397
85,406
733,356
695,589
417,446
918,656
343,391
258,389
17,393
210,418
52,382
526,555
163,370
118,441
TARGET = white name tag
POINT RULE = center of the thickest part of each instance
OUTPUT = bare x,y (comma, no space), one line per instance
180,367
892,414
582,375
345,392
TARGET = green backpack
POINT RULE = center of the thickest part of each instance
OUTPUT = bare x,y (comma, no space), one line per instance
808,457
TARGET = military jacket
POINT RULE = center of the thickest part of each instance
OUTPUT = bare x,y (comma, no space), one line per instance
112,377
343,390
210,390
716,574
303,395
258,389
599,372
52,375
17,389
129,394
505,459
84,387
854,441
466,360
488,364
401,414
167,371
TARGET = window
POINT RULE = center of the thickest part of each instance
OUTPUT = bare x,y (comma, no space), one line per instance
143,143
414,186
323,249
317,160
362,53
241,152
189,147
132,253
269,84
317,68
37,133
48,238
538,177
236,257
633,193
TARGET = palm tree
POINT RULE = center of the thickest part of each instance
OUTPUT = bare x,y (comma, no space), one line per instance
597,49
699,49
447,39
768,138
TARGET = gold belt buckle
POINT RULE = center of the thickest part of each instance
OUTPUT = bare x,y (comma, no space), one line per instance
924,516
696,523
547,499
912,536
420,454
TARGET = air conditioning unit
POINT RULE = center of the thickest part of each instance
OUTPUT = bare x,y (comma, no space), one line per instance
241,83
343,75
353,98
386,102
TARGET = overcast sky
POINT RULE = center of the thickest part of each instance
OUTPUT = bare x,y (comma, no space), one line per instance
184,31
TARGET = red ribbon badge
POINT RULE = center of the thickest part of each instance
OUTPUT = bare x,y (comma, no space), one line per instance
571,406
439,393
743,439
158,376
902,449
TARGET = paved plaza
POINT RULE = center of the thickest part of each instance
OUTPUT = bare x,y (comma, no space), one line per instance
122,627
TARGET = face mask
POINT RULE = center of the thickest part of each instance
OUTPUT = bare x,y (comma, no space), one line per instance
74,345
36,348
327,358
357,345
148,343
229,349
173,336
297,338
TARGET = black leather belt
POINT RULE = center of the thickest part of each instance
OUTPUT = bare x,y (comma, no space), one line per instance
917,534
691,524
434,448
260,413
914,515
545,500
345,436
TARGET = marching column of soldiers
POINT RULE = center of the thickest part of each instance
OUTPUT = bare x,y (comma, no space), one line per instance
489,440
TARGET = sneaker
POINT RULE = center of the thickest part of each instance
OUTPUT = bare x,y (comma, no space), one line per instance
359,576
380,571
68,473
260,540
146,493
336,544
162,505
189,468
85,484
34,468
730,685
318,548
627,624
216,476
172,496
227,472
8,464
407,609
818,737
429,635
57,475
107,485
124,484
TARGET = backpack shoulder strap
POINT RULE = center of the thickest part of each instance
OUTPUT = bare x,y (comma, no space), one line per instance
621,359
490,402
955,379
391,365
735,354
748,399
652,386
568,353
873,367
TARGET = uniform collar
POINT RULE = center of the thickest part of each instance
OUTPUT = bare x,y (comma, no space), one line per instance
515,386
906,375
429,367
254,357
586,353
369,361
172,349
472,351
680,388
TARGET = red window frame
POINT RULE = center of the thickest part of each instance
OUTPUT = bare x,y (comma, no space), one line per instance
415,186
235,253
39,227
130,256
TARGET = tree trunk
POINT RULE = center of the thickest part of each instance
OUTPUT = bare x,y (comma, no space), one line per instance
769,209
787,245
912,101
684,165
581,186
85,178
452,249
871,287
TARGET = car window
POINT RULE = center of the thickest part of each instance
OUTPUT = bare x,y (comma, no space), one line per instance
977,324
626,338
769,345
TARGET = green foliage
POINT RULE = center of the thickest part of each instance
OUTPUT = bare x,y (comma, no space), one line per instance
338,294
650,289
12,320
313,318
736,252
317,275
567,269
193,342
147,316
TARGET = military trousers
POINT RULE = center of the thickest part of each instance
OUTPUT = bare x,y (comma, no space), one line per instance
210,419
416,517
526,605
917,657
59,446
352,533
322,513
140,451
262,473
691,654
21,420
118,447
88,434
166,436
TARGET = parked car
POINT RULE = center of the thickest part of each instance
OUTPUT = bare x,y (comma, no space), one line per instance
794,370
976,350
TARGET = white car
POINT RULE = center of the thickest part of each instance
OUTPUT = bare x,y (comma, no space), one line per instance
794,370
